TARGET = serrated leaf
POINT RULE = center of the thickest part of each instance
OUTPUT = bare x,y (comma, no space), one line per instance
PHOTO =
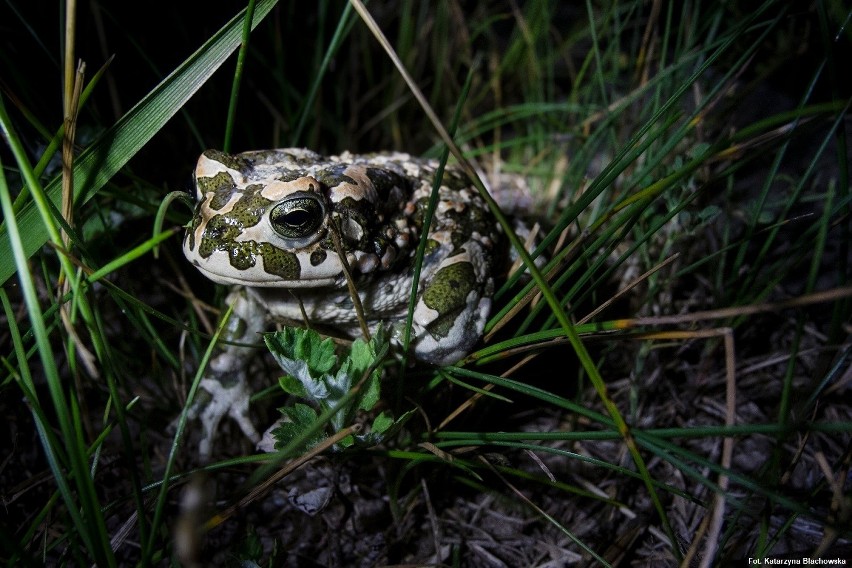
317,352
306,357
362,356
314,387
303,354
304,345
301,418
292,386
341,382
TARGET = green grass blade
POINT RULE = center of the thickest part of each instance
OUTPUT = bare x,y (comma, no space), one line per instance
98,163
238,74
90,523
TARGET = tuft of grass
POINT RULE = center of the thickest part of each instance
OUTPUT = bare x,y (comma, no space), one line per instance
666,369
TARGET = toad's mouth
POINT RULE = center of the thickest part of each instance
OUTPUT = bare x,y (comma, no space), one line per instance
262,279
260,272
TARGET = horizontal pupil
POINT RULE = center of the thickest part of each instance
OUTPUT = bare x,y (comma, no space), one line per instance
297,218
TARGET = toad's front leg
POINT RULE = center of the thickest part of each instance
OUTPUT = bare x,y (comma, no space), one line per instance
225,389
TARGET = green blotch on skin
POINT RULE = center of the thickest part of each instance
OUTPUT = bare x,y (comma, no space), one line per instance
219,234
450,287
442,326
279,262
334,176
291,175
242,255
431,246
190,233
222,185
230,161
384,181
448,295
222,231
250,208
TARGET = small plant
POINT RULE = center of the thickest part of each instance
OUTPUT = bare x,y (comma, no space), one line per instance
337,388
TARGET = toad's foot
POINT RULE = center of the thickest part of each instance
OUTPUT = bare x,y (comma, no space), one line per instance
216,401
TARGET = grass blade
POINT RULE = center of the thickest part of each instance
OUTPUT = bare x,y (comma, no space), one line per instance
102,160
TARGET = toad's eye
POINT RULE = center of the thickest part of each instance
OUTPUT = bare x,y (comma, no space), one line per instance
298,218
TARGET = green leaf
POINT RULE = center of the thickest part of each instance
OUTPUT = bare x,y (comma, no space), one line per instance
306,357
346,442
341,382
318,353
299,419
114,148
381,423
383,426
362,355
313,373
292,386
296,349
365,356
371,391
